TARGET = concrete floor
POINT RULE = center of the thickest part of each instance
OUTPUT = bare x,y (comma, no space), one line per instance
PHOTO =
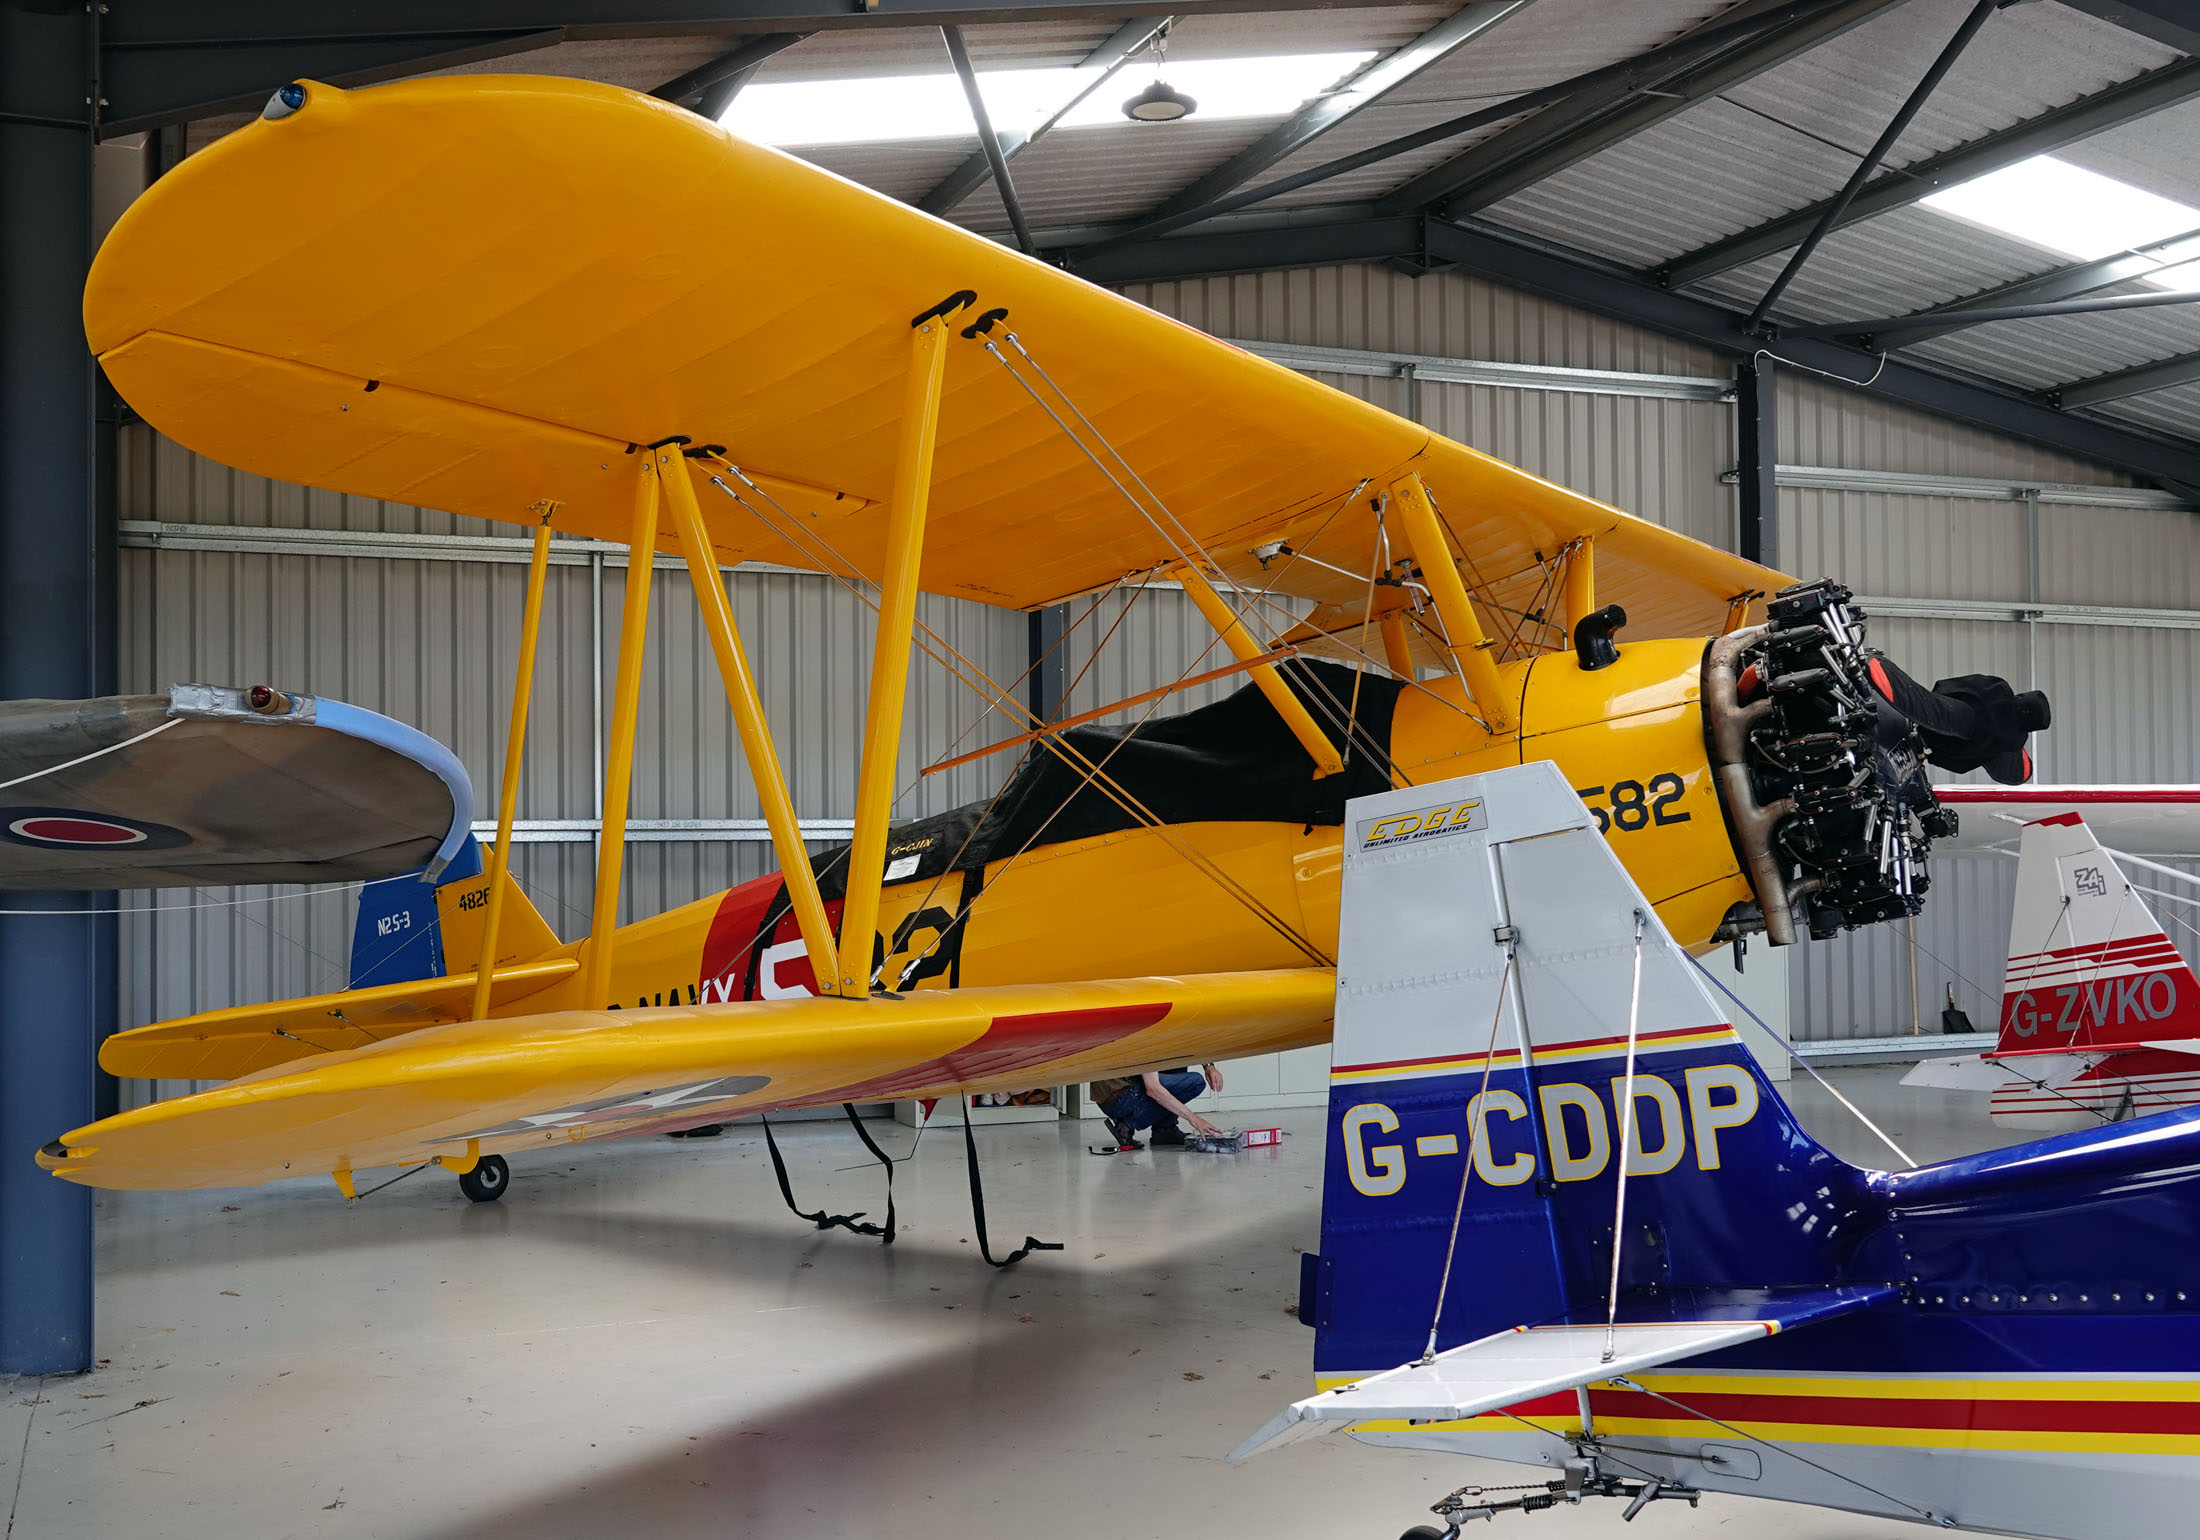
639,1340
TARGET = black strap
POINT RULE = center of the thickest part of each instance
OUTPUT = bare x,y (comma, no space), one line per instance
977,1207
886,1236
820,1218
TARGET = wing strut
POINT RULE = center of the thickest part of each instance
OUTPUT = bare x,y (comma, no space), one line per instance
1250,652
748,717
626,706
1581,582
897,617
1469,645
515,746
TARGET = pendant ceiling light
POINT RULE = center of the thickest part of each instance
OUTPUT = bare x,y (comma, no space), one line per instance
1159,103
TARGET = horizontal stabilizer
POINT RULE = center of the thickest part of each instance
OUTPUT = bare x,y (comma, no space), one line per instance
225,1045
1966,1072
1509,1367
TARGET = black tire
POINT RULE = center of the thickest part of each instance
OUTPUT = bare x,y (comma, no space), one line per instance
487,1181
1427,1532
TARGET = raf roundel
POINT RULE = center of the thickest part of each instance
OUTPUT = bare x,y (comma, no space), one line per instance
61,828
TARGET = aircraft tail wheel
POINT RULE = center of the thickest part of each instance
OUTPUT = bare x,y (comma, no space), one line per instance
487,1181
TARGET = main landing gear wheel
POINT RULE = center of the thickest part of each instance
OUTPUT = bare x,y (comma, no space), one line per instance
487,1181
1427,1532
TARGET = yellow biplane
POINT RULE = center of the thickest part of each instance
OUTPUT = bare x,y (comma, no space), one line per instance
582,310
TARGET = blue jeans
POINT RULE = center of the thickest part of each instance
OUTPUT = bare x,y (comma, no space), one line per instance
1140,1111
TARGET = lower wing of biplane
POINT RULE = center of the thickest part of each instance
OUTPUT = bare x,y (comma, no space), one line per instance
455,1093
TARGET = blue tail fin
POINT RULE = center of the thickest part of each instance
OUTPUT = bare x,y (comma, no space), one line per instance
1486,968
398,935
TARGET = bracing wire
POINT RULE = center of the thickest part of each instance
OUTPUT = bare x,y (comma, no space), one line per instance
87,758
1089,772
1808,1067
1642,1389
1626,1150
155,910
1475,1122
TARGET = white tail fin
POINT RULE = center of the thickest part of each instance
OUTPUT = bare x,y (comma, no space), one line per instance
2089,965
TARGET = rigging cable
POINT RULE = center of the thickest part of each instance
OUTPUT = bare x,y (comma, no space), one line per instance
1475,1122
1626,1150
1091,773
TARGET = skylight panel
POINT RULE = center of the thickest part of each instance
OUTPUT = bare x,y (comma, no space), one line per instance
885,109
2072,211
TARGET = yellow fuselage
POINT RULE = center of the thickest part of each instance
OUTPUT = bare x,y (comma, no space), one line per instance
1134,903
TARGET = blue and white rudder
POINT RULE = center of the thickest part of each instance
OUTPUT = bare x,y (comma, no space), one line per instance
1486,968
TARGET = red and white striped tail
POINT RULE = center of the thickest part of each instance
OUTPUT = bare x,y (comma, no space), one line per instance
2089,965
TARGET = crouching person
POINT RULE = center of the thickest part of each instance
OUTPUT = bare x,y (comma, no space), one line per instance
1155,1101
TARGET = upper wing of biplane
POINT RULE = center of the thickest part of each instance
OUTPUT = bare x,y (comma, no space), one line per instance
526,1081
480,293
209,785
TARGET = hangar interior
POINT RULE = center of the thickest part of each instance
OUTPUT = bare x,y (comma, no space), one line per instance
1883,289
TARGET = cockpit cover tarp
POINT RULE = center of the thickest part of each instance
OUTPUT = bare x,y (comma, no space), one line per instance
1232,761
316,792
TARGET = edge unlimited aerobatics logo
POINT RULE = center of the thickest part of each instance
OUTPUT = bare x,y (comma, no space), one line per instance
1420,824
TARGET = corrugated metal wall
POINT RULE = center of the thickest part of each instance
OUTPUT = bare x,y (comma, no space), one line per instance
432,641
1658,459
2123,694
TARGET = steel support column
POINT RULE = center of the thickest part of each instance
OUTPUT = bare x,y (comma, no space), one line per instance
1757,446
1049,683
56,641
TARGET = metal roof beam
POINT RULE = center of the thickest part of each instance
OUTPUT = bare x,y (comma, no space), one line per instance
2139,381
2081,119
2174,22
1570,132
2080,278
1324,113
163,63
1575,278
1641,66
710,88
154,87
1897,125
1870,333
1109,57
988,142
